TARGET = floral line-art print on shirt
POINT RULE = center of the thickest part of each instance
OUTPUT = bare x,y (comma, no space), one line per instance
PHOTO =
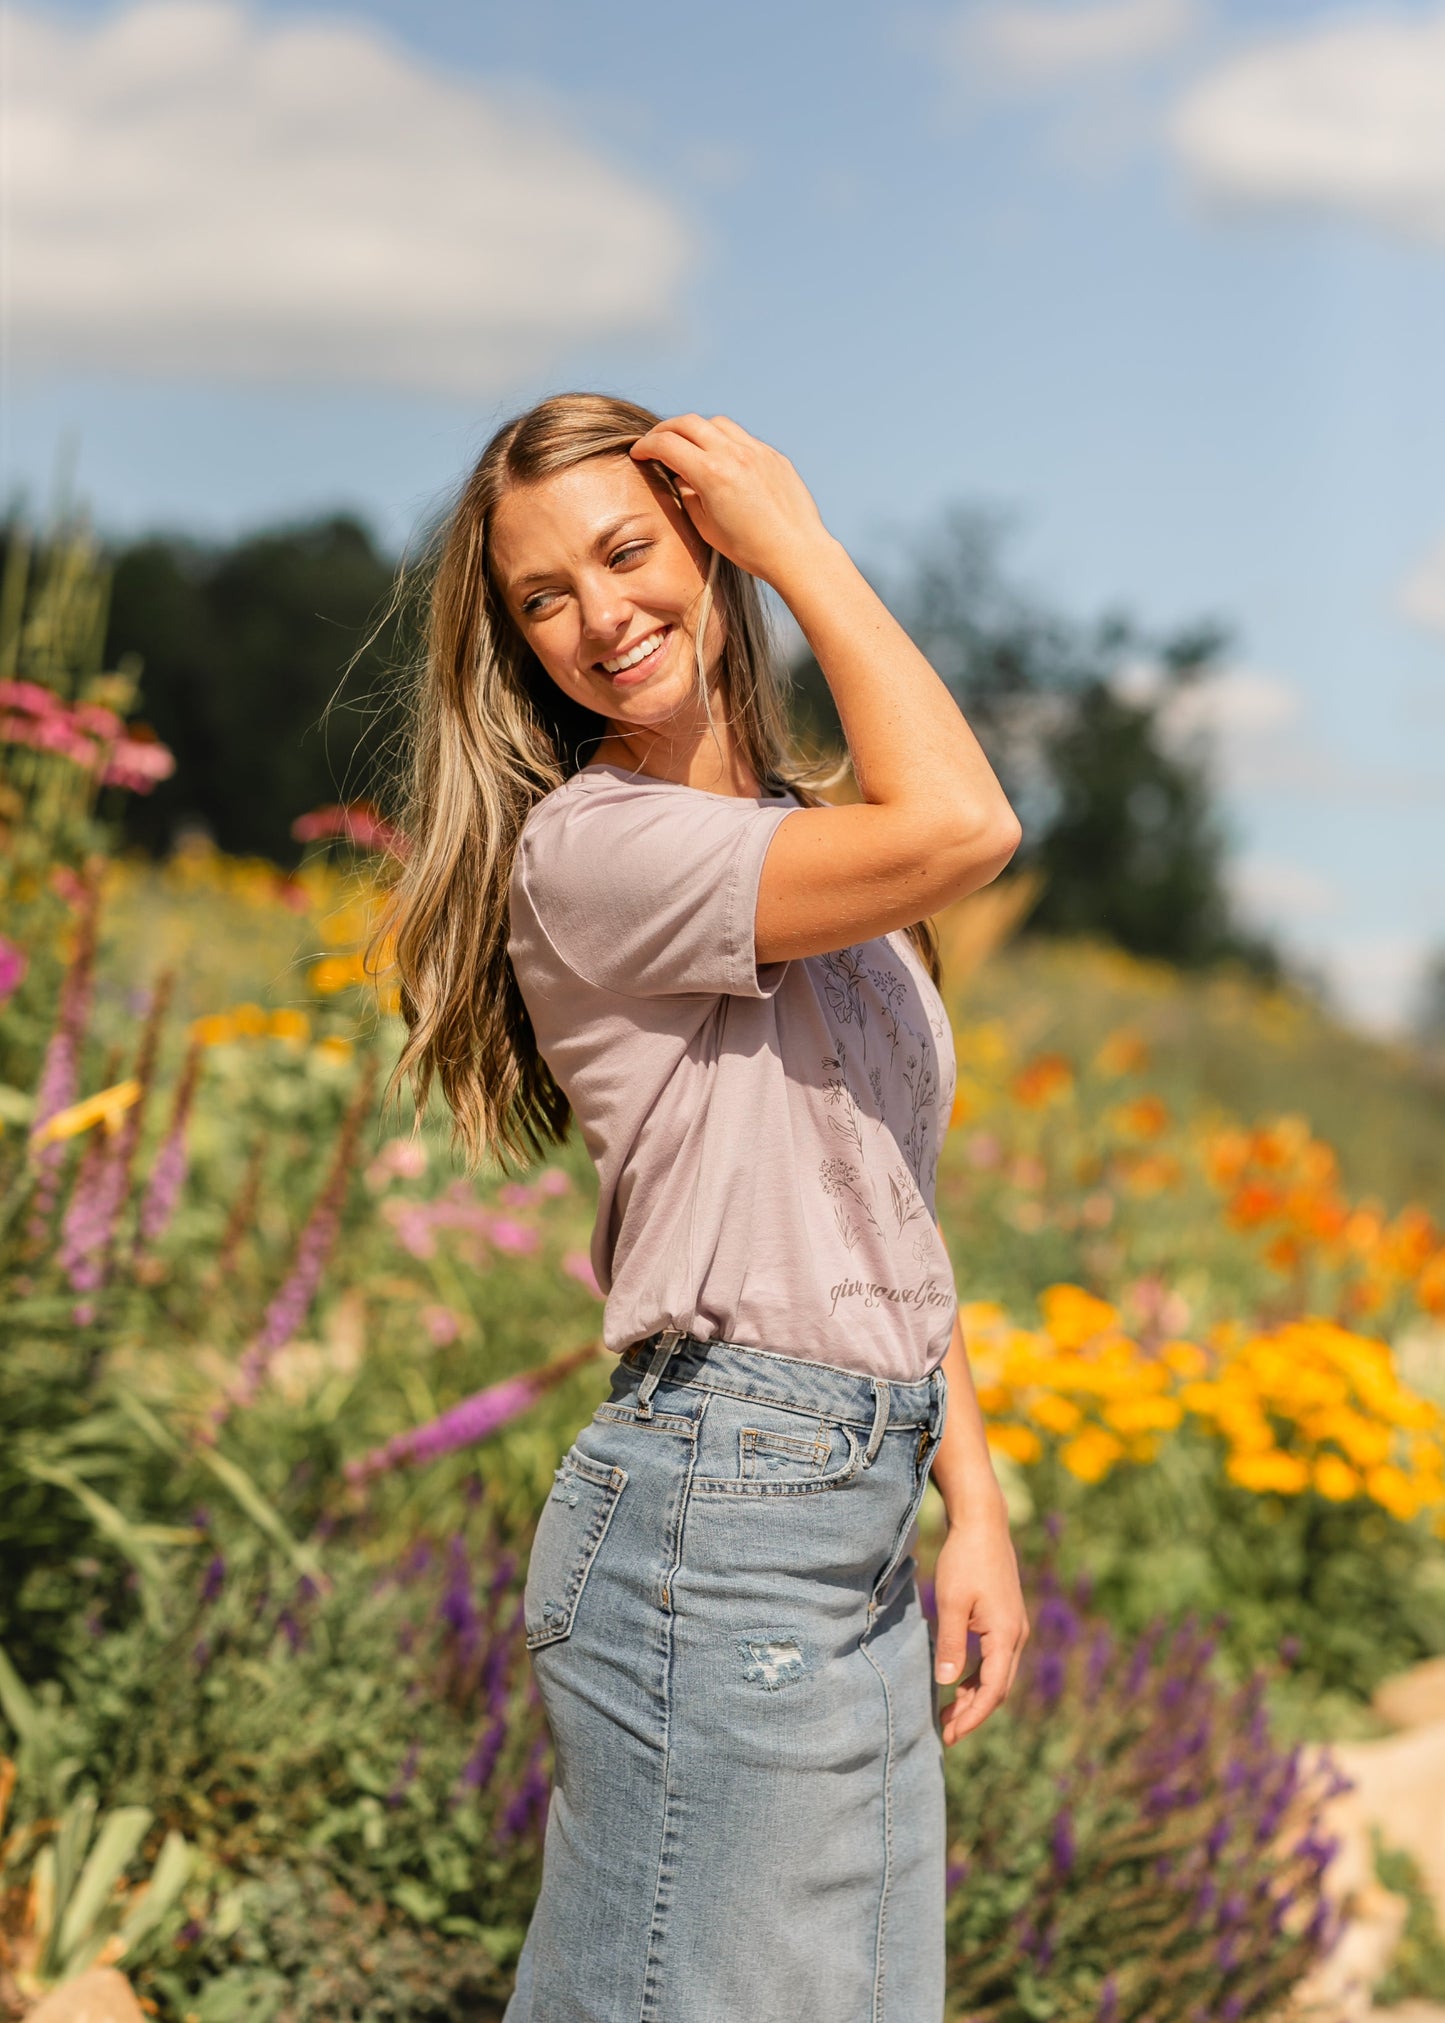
867,1181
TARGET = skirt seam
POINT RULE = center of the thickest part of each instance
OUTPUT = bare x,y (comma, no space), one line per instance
662,1894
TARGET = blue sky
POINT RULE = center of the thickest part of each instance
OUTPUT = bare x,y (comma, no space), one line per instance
1165,279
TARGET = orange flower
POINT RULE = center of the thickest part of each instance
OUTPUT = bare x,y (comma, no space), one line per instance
1145,1117
1123,1053
1045,1078
1253,1203
1017,1442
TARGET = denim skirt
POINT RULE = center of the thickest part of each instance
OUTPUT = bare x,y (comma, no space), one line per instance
747,1821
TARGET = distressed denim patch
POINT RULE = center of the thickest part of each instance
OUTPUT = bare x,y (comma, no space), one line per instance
773,1659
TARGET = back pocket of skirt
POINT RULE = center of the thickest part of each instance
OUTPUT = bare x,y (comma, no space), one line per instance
572,1526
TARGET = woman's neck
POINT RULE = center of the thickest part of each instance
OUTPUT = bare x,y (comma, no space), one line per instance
709,759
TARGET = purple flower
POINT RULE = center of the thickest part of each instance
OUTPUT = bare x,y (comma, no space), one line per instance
168,1169
1062,1842
1108,2009
474,1419
478,1769
954,1877
215,1579
1051,1676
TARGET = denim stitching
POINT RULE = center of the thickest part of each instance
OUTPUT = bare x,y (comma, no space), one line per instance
878,1953
650,2011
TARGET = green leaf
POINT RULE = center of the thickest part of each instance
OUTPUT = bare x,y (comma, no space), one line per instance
114,1850
234,1478
143,1417
115,1526
16,1704
167,1880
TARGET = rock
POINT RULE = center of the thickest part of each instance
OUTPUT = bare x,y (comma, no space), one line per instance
1413,1699
1400,1788
1342,1986
100,1996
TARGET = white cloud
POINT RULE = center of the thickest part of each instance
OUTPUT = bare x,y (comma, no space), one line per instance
1376,978
1422,594
1254,729
1347,115
194,189
1029,43
1278,893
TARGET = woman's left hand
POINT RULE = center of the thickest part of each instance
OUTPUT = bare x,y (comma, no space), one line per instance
977,1586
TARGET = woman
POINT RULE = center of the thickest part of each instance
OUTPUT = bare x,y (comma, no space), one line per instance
623,902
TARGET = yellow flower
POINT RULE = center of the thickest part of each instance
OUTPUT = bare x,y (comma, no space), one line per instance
1091,1454
334,973
994,1399
291,1025
249,1020
1059,1415
1144,1415
215,1030
334,1048
106,1107
1073,1316
1335,1479
1185,1359
1015,1441
1393,1490
1271,1469
1367,1444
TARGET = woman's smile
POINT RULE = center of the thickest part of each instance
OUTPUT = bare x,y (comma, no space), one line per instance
638,661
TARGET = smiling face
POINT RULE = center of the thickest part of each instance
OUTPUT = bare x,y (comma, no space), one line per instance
603,574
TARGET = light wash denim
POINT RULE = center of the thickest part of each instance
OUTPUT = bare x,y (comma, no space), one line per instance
747,1818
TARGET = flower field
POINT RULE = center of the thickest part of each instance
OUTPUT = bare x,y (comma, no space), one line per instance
282,1391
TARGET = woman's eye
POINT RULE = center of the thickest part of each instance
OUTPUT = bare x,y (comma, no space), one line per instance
534,604
631,552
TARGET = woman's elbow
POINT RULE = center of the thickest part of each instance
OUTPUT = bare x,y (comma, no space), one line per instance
982,849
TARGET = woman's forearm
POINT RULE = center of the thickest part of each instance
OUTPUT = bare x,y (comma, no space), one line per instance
909,741
963,1467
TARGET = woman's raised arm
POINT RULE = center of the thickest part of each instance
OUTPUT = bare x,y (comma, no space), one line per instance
934,822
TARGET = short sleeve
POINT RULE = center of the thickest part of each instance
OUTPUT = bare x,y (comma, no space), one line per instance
651,889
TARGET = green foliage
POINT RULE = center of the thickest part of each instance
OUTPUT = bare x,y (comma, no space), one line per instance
1123,825
244,647
1128,1841
294,1946
1417,1971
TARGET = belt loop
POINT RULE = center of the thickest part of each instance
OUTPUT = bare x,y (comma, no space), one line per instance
882,1400
667,1341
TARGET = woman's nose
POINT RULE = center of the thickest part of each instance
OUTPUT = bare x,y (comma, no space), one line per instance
604,613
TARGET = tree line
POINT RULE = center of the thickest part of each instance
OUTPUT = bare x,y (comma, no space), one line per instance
272,669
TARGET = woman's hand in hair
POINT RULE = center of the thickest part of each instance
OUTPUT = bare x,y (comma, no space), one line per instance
743,496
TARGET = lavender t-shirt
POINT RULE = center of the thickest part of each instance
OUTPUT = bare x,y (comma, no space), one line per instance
766,1139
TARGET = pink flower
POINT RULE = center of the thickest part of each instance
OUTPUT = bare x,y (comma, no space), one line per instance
441,1324
577,1264
553,1182
29,695
511,1236
138,764
357,821
398,1159
13,965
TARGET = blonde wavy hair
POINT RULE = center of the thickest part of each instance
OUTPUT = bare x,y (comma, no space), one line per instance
490,735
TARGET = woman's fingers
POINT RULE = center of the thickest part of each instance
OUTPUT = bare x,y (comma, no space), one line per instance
668,445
